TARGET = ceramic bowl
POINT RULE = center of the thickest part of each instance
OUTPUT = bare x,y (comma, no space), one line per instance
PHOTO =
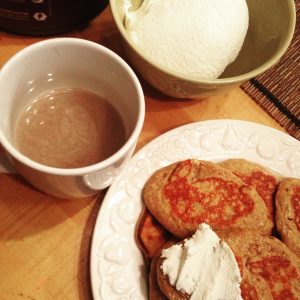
271,28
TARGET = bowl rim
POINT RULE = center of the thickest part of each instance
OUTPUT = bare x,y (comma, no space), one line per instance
219,81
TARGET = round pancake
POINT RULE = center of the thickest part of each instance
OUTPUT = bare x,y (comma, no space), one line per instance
150,235
260,178
185,194
272,268
269,269
288,213
154,291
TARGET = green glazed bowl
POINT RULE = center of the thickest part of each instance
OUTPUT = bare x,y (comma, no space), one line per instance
271,28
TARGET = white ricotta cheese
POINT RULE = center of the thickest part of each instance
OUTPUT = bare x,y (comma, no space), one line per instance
203,267
194,38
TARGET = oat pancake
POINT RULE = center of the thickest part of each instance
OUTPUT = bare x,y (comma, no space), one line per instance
162,280
257,176
288,213
150,235
155,292
269,269
185,194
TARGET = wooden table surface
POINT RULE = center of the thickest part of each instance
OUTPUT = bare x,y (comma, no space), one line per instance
45,242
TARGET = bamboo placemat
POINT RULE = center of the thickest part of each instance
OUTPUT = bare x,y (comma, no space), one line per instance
278,89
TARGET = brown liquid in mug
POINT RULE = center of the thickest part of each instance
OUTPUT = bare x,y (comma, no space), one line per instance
69,128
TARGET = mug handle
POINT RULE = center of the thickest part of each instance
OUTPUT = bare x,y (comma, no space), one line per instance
103,178
100,180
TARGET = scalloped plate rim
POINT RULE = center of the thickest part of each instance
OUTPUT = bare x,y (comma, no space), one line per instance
95,280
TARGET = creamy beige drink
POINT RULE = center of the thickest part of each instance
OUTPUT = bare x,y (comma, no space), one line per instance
69,128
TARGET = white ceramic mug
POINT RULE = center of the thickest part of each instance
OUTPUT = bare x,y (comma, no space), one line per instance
73,62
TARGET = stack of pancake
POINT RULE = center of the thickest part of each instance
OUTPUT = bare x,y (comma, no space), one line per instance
256,212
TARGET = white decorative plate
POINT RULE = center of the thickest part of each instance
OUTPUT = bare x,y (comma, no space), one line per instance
117,266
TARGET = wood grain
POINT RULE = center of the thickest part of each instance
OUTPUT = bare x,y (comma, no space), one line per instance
45,242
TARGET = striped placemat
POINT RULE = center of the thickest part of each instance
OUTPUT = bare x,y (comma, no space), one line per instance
278,89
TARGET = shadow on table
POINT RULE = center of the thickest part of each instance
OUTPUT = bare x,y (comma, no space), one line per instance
83,278
26,211
27,216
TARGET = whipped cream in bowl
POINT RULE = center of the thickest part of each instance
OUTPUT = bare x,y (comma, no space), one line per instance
194,38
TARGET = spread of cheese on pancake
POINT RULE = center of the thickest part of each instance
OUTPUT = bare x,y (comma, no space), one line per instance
203,267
